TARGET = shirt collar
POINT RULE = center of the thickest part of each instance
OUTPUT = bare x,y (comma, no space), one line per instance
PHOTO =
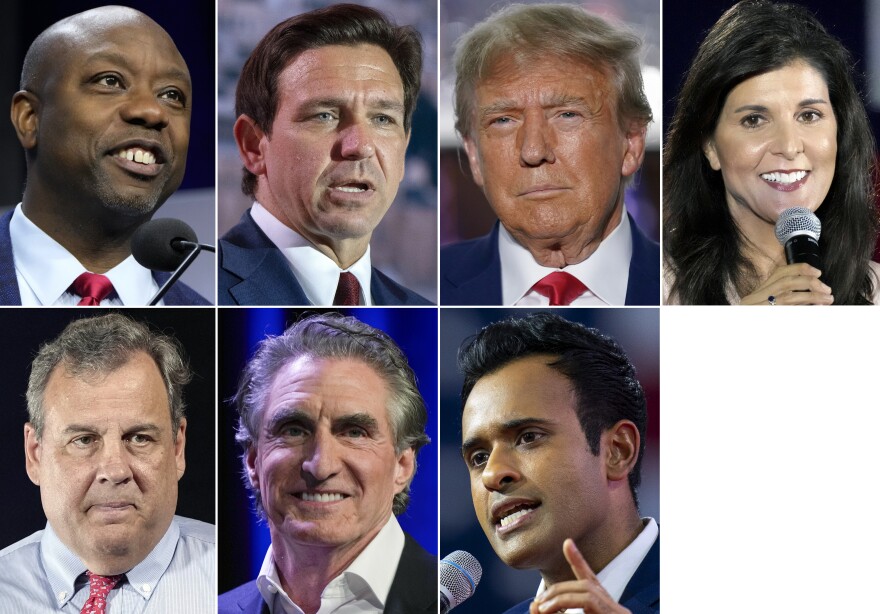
63,567
605,272
317,274
616,575
368,578
48,269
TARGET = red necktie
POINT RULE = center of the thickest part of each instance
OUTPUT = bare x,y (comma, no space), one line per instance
99,586
560,287
93,288
348,292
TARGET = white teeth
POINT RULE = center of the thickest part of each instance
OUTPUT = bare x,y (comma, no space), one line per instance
321,497
137,155
786,178
345,188
515,516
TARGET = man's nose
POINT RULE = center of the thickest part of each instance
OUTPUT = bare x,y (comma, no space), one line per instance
143,107
500,471
322,457
113,462
356,140
537,140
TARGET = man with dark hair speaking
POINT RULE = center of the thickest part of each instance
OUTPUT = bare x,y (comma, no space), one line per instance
324,109
553,430
103,115
330,423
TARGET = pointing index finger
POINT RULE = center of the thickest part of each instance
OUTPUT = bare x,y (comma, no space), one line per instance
576,560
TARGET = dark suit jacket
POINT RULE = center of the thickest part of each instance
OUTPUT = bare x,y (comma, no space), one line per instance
252,271
470,271
178,294
641,595
413,591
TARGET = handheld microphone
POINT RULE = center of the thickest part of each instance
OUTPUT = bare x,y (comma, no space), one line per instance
460,573
798,230
166,244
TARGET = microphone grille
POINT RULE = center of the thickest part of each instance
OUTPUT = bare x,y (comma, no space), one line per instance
797,221
151,244
460,573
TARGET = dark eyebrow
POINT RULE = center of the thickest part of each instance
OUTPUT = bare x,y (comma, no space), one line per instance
144,428
169,72
762,109
361,419
288,415
385,104
510,425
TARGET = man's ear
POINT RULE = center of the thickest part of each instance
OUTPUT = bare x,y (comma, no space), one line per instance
180,447
473,155
33,452
406,467
24,116
634,154
623,442
711,154
249,138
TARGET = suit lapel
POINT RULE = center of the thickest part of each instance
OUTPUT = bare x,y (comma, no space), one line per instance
414,590
9,293
477,278
643,589
643,287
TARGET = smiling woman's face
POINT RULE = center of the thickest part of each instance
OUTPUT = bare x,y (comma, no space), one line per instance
775,143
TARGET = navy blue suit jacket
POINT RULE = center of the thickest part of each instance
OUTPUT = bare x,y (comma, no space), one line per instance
252,271
641,595
178,294
413,591
470,271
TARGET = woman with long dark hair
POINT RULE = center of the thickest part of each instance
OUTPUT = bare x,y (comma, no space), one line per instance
768,118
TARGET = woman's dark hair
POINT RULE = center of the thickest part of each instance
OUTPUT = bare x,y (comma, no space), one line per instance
703,247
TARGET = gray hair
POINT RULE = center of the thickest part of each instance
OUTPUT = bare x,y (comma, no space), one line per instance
94,346
557,30
333,336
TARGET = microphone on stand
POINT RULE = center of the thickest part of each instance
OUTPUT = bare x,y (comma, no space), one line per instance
798,230
166,244
460,573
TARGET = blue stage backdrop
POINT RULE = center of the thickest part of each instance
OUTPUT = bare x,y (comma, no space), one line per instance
242,539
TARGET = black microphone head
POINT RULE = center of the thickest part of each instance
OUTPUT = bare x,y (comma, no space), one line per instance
460,573
151,244
797,221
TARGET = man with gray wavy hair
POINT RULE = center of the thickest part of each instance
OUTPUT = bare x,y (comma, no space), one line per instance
330,423
551,109
105,443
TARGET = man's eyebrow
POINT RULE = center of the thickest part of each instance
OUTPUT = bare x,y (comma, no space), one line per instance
171,72
288,415
505,105
506,427
386,104
361,419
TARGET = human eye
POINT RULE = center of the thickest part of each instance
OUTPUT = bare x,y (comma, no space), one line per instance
354,432
810,116
294,430
478,458
140,439
174,95
110,80
84,441
752,120
529,437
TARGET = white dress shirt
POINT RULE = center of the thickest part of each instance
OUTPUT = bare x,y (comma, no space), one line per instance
617,574
605,273
45,270
317,274
362,588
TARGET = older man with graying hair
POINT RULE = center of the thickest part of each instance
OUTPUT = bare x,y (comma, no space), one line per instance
551,109
105,444
331,421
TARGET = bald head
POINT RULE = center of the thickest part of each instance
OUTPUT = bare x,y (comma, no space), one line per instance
46,56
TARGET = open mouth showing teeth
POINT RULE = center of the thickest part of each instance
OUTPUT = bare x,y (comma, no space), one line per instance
515,514
785,178
321,497
136,154
352,187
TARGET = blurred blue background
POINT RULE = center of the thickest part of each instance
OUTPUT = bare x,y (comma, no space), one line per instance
242,540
